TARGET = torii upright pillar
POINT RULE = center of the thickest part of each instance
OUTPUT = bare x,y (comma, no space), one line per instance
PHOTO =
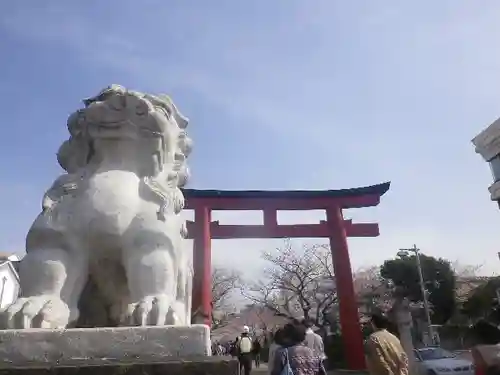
348,307
202,265
335,228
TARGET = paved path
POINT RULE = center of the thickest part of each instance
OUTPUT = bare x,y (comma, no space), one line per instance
261,370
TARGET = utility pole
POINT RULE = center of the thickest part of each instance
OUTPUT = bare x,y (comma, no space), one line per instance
416,251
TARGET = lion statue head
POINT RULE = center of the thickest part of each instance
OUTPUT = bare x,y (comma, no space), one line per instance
120,114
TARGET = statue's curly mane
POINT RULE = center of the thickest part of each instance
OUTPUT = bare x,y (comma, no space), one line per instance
180,172
173,148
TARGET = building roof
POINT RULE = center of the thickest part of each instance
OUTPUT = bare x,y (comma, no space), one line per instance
379,190
8,256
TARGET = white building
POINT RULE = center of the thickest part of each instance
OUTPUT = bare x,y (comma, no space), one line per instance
9,280
487,144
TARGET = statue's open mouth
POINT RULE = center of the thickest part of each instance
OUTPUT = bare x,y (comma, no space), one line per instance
103,126
110,126
116,124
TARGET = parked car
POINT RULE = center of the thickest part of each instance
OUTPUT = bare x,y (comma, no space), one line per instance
438,361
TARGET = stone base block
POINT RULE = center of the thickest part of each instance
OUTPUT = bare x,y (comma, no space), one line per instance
47,348
201,366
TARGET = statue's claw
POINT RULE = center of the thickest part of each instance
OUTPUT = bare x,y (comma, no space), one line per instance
152,310
45,311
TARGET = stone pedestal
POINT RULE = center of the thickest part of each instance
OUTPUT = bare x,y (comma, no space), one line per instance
125,350
200,366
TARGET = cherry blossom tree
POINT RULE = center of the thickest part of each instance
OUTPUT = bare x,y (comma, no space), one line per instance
298,283
224,282
374,293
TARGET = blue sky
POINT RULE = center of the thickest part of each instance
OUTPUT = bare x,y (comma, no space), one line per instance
282,94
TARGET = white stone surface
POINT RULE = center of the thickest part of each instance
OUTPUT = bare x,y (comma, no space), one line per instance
101,346
115,215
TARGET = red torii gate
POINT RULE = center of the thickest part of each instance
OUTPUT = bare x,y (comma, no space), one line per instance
203,230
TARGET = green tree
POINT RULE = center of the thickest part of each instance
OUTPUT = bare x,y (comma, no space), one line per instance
439,279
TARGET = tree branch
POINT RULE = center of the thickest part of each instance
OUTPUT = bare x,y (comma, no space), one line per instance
224,282
293,283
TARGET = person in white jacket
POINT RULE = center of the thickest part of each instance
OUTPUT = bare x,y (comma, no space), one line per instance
313,340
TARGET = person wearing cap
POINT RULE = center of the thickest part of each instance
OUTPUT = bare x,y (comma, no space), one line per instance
244,348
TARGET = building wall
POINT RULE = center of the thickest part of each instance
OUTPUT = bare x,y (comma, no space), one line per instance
10,286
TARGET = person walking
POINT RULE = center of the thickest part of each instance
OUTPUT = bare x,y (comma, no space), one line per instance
244,350
313,340
220,349
384,353
277,343
294,356
256,347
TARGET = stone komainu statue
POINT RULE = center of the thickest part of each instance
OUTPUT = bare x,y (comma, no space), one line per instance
108,246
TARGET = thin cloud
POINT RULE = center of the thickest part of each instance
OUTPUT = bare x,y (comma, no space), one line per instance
342,93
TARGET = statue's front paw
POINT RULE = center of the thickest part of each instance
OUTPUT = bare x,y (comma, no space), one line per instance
151,311
46,311
179,314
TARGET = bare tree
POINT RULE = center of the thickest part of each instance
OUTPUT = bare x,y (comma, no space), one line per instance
297,283
466,271
467,280
224,282
374,294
